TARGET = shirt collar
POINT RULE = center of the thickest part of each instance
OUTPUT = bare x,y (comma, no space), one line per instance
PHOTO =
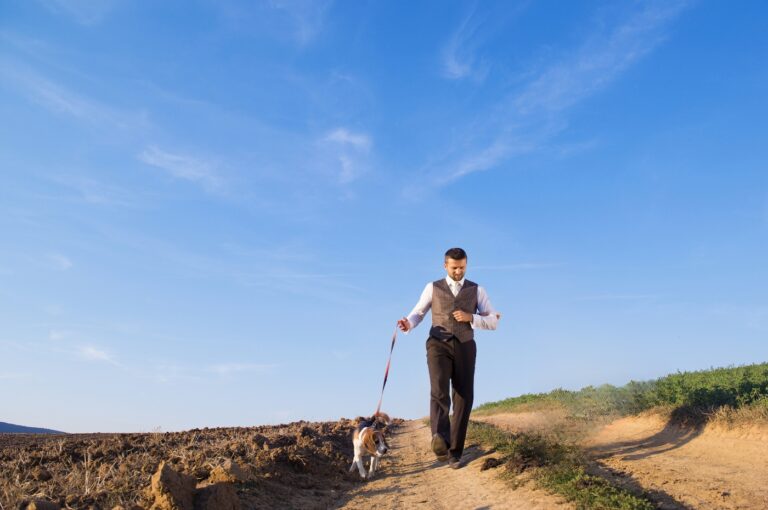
450,281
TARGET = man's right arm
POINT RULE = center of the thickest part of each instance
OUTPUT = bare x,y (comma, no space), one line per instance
419,311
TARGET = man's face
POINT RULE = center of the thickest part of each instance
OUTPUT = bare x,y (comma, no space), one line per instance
456,268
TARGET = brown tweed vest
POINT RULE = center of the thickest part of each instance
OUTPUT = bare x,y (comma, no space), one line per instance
444,326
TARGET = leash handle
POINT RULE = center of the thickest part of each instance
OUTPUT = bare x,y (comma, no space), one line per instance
386,372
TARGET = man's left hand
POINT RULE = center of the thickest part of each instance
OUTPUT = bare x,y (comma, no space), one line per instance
462,316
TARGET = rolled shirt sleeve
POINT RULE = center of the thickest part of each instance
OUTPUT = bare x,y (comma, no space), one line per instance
421,308
486,317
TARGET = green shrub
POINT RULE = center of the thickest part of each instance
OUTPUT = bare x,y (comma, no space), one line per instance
706,389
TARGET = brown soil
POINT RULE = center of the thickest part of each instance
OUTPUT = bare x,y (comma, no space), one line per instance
410,477
704,467
299,465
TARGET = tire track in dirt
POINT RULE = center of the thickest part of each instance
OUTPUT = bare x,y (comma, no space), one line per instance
410,477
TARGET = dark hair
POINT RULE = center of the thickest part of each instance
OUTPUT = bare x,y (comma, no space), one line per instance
456,254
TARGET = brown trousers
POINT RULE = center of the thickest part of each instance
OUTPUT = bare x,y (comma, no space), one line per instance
451,361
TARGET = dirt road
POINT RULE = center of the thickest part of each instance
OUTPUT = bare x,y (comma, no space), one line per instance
410,477
702,468
680,468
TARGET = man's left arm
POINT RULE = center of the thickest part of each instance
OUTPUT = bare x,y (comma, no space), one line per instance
486,317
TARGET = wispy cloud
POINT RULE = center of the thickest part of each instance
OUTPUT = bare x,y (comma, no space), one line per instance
164,373
57,335
182,166
12,375
350,150
291,265
60,261
307,17
226,369
529,118
298,21
599,61
616,297
61,100
91,353
92,191
346,137
84,12
522,266
459,58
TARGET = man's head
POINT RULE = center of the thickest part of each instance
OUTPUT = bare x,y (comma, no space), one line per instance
456,263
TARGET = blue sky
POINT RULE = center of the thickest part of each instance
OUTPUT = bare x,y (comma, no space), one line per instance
213,213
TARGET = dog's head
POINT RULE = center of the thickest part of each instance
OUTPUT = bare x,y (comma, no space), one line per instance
374,441
380,442
381,420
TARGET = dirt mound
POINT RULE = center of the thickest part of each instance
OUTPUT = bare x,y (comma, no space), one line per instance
299,464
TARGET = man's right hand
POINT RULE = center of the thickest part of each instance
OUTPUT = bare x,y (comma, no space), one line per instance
404,325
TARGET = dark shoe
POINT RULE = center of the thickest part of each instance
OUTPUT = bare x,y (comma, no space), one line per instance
439,447
454,463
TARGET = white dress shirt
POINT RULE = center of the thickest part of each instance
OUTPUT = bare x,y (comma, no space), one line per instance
486,318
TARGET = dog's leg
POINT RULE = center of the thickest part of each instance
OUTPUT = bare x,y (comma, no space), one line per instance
358,461
361,468
374,465
354,458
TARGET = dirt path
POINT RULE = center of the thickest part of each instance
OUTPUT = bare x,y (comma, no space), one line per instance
410,477
702,468
705,468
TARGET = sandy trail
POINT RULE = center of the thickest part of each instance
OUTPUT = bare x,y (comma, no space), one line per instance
680,468
704,468
410,477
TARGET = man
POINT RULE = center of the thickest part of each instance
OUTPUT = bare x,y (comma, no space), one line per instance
459,307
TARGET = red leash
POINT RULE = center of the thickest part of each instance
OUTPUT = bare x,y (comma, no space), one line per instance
386,372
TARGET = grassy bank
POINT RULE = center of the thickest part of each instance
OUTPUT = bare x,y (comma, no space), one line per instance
555,466
730,393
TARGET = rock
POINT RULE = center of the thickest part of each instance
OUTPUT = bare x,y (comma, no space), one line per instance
228,472
218,496
41,504
490,463
171,490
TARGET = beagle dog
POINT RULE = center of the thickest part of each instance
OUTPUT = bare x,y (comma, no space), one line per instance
368,439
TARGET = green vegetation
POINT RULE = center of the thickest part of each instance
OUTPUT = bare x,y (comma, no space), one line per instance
692,392
555,466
